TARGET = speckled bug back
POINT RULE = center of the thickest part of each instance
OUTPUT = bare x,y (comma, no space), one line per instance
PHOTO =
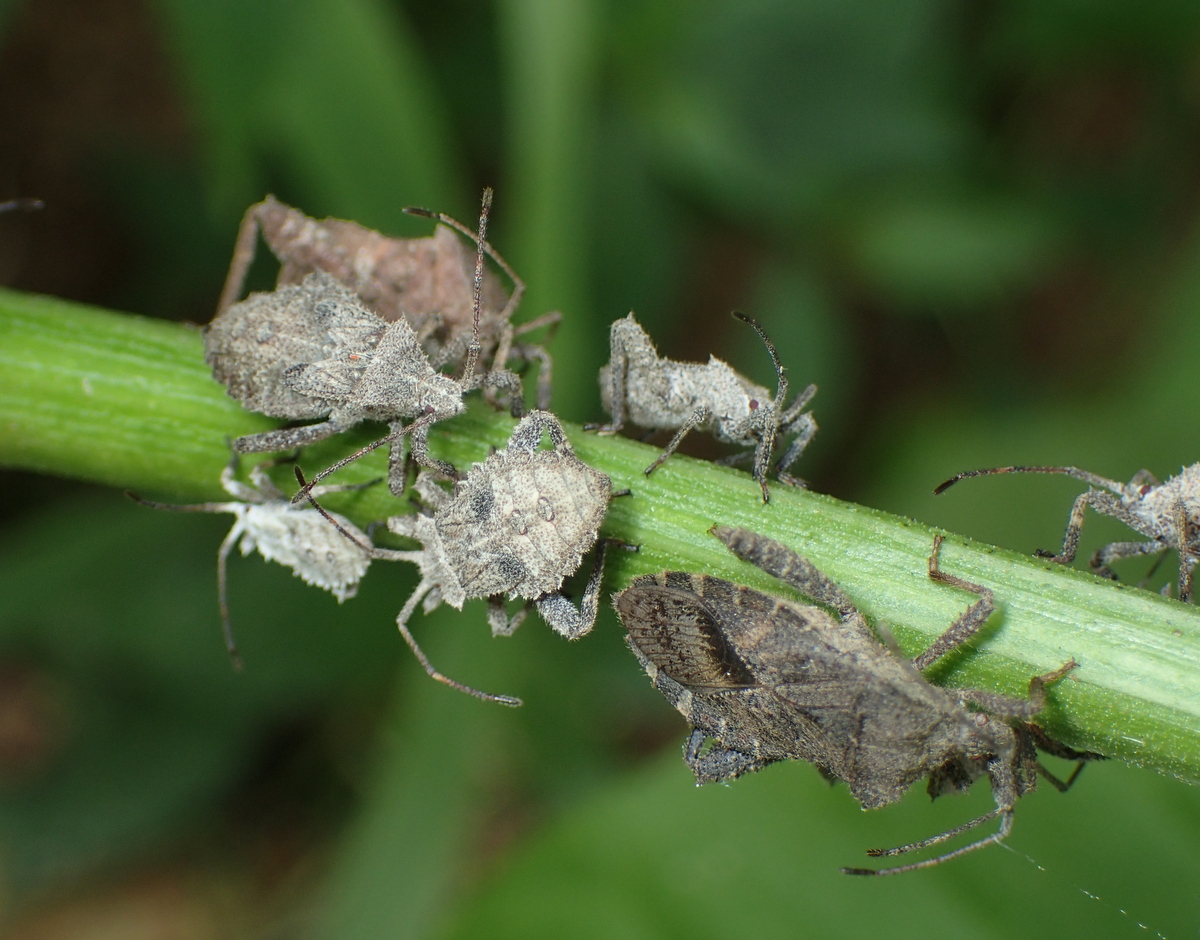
521,521
251,344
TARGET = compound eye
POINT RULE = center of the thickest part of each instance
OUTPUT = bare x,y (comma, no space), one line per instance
1144,489
754,404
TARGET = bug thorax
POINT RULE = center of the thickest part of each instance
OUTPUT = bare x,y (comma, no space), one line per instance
1159,506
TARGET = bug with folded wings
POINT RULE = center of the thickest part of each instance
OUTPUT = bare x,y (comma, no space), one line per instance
763,679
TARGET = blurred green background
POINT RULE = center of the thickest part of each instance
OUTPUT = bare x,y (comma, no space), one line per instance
973,223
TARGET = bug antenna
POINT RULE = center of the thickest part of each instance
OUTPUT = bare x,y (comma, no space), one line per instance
306,491
780,372
477,291
992,471
451,222
175,507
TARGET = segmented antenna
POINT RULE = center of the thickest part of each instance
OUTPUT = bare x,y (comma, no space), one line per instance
477,293
780,372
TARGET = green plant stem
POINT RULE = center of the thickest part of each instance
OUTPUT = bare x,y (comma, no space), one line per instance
129,402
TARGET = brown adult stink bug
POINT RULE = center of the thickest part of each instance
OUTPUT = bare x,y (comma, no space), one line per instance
426,281
763,679
295,537
314,351
1167,513
656,393
516,526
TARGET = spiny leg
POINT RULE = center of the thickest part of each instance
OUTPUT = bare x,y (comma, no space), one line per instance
618,379
545,381
286,438
1187,554
393,438
1102,503
402,623
697,418
718,763
967,624
561,614
1115,551
1056,748
804,427
1005,706
777,559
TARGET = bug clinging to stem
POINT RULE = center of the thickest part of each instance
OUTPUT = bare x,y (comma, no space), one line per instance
314,351
516,526
1168,514
657,393
297,538
762,679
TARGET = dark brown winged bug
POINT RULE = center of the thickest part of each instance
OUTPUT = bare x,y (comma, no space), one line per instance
763,679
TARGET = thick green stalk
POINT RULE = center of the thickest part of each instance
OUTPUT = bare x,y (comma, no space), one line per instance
129,402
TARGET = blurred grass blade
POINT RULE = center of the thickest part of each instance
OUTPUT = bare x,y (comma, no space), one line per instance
550,50
402,858
338,86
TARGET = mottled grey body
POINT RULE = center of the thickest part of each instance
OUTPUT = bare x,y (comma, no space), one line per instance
426,281
1166,513
656,393
297,537
763,679
314,351
516,527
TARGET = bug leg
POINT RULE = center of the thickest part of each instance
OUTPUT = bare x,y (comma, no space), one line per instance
717,763
286,438
418,433
1102,503
968,623
533,353
550,319
1004,706
243,256
1115,551
1000,774
777,559
498,618
804,427
1057,749
1143,478
402,623
223,594
697,418
561,614
1187,553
